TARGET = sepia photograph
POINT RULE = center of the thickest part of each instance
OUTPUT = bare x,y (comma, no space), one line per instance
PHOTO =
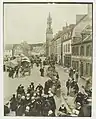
47,59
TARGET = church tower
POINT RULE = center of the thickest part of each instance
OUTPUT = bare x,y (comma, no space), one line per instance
49,35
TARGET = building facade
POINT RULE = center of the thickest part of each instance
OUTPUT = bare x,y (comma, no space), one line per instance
58,42
66,49
82,46
49,35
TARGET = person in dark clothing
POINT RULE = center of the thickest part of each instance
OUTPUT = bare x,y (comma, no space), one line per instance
17,70
18,99
18,89
37,63
11,72
29,89
40,88
57,76
52,102
62,111
57,86
42,71
32,62
48,84
13,103
46,107
32,85
38,107
33,107
68,86
27,111
22,91
76,87
20,110
6,110
86,110
71,72
79,98
41,64
4,68
76,75
28,99
72,83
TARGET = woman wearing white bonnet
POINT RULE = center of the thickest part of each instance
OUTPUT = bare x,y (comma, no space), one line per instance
50,112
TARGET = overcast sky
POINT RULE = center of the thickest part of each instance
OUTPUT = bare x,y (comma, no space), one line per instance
28,22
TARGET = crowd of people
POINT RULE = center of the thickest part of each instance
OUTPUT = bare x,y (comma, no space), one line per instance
33,101
83,97
39,101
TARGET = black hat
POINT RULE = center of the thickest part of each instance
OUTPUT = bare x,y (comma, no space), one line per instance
13,95
32,83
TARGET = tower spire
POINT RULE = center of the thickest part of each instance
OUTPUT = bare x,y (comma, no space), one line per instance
49,23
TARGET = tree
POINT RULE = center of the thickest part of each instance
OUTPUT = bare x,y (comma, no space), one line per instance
26,48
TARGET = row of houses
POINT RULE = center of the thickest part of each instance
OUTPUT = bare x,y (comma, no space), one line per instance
15,49
72,46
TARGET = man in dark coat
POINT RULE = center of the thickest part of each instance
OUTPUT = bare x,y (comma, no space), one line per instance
72,83
76,87
46,107
52,102
42,71
68,86
13,103
17,70
32,85
6,110
86,110
11,72
48,84
18,89
79,98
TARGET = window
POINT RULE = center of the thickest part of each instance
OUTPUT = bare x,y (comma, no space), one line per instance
69,47
66,47
74,50
82,51
88,69
88,50
77,50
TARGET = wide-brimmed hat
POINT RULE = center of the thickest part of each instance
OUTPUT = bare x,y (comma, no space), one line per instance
23,97
32,98
27,108
28,95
